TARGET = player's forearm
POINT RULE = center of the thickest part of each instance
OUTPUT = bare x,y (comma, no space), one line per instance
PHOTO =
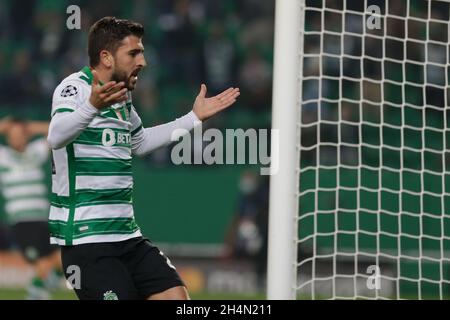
38,127
66,127
155,137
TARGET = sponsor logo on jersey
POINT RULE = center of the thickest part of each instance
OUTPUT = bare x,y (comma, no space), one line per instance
110,138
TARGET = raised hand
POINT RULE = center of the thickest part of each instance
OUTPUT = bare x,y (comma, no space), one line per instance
205,108
37,127
105,95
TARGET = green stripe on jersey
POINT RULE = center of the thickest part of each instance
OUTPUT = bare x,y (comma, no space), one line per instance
123,113
119,113
88,77
91,197
88,197
137,130
108,113
92,227
103,167
105,136
60,110
72,195
59,201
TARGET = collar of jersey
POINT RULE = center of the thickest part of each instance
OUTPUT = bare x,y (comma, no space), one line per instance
88,78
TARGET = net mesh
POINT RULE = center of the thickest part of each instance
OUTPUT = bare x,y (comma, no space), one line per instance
374,171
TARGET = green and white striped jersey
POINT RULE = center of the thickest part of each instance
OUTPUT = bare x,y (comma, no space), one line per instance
22,182
92,183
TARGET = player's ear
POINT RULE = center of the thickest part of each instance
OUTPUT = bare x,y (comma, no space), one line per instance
106,58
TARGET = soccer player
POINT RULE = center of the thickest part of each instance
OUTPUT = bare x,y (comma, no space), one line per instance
94,132
22,184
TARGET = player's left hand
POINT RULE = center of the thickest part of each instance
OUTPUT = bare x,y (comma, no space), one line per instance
205,108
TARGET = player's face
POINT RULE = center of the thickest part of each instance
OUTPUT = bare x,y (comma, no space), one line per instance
18,137
129,61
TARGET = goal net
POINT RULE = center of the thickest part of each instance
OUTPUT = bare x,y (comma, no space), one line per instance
373,189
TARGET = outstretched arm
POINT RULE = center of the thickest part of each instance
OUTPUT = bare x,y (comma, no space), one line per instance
146,140
149,139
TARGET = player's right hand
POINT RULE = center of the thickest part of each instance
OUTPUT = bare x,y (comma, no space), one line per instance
108,94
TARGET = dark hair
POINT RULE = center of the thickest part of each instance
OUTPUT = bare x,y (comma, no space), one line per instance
18,120
107,34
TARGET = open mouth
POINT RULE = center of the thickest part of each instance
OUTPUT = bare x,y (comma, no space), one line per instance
134,75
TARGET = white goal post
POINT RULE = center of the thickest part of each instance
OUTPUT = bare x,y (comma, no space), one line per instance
281,268
360,205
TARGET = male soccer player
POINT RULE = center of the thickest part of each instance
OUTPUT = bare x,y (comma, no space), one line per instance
94,131
22,184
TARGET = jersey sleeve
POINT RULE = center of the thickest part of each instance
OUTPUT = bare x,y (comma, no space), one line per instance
136,122
137,129
68,96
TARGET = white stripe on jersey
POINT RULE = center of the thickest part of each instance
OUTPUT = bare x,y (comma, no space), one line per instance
18,176
104,182
112,123
60,183
98,212
60,214
88,151
24,190
98,238
15,206
93,212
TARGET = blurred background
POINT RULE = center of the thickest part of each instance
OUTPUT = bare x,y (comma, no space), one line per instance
211,220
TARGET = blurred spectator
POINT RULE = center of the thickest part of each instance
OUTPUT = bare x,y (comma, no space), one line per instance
219,57
20,85
255,82
180,51
247,234
22,184
22,24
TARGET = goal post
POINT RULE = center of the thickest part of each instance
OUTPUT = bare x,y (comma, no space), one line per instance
360,205
282,269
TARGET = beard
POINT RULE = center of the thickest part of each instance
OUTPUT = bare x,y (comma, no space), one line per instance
121,76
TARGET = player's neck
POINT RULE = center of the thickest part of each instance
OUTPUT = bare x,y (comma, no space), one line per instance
104,75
